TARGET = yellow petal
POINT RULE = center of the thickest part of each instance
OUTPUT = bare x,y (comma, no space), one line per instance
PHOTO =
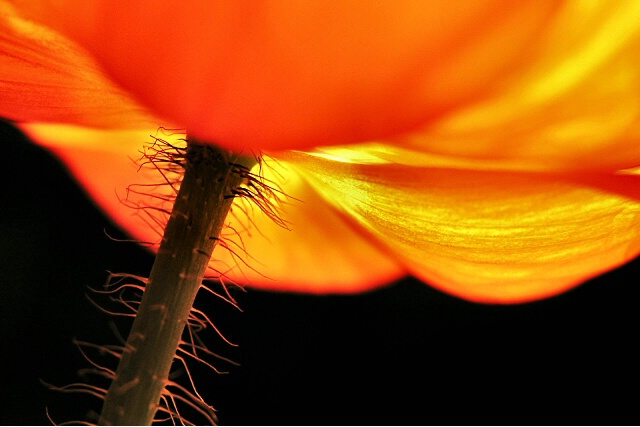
573,104
487,236
319,253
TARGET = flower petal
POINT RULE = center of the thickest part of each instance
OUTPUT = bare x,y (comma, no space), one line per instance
573,104
283,74
44,77
487,236
320,253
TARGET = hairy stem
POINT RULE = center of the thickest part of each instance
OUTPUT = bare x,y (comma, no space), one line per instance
194,226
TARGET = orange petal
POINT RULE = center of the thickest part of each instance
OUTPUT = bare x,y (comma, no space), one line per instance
487,236
45,77
320,253
278,74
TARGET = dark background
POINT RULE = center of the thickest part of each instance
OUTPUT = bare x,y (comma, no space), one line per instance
404,354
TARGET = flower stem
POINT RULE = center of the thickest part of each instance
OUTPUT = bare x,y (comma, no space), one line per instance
199,212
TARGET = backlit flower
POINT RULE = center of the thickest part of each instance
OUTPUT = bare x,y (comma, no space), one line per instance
490,149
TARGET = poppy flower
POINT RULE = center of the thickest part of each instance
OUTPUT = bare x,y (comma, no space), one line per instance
489,149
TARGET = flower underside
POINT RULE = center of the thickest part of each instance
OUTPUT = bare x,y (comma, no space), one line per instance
497,178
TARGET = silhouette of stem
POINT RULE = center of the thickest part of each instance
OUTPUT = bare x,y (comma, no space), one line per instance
199,212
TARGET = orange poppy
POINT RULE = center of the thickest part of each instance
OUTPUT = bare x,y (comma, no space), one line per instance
490,150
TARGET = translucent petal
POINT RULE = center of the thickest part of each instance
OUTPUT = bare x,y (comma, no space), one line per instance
44,77
319,253
574,104
488,236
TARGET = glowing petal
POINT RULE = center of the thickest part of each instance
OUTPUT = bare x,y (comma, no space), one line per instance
485,236
447,184
320,253
45,77
574,104
284,74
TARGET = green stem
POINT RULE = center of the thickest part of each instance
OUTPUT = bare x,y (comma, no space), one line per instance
198,215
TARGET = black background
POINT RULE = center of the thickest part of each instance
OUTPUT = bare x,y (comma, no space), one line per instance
404,354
